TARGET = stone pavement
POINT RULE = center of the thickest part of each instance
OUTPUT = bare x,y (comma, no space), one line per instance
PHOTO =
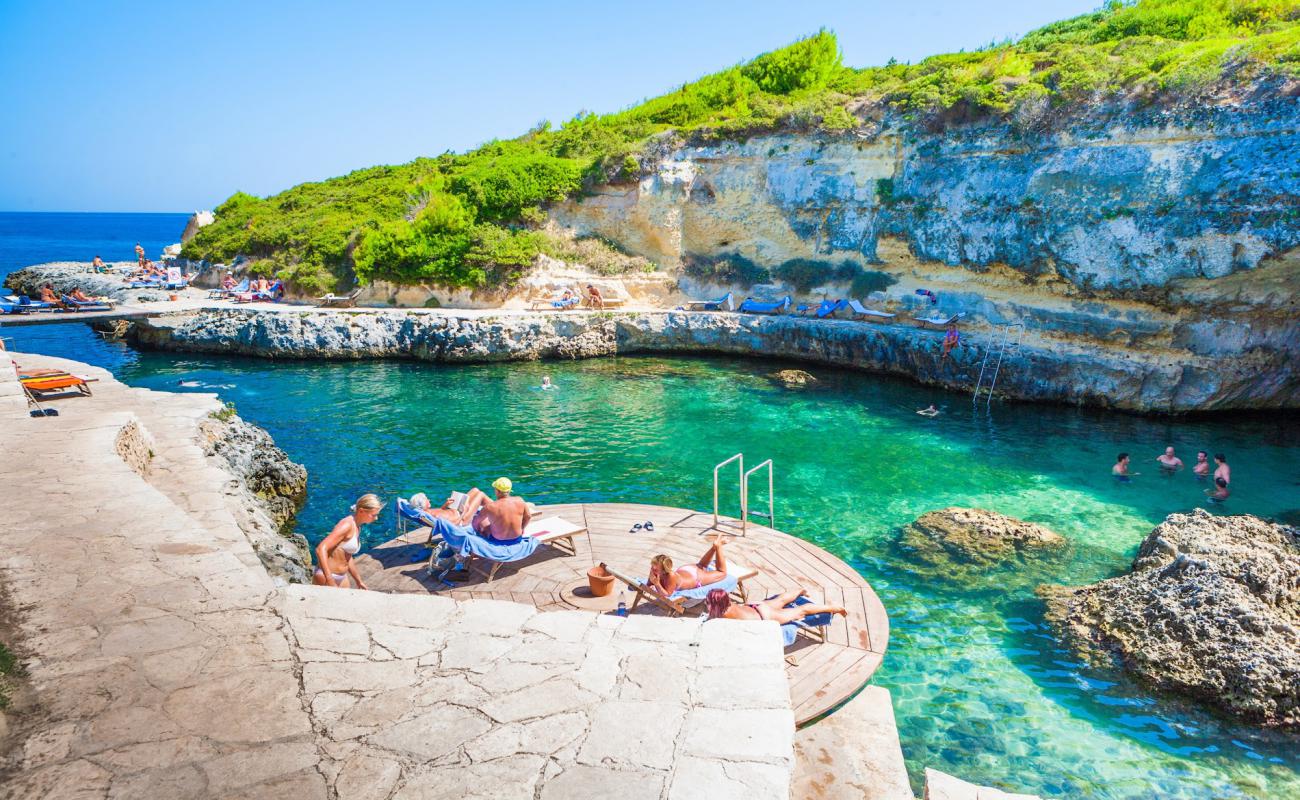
164,662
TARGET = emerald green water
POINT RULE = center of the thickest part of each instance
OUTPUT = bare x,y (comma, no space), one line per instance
980,688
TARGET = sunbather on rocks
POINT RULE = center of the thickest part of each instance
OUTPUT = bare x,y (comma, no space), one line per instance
667,580
720,607
77,294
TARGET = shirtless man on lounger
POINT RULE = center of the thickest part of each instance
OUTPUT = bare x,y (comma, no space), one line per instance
502,519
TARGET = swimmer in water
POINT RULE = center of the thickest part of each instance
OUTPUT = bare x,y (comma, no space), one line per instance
188,384
1120,470
1202,466
1219,493
546,382
1169,462
1221,468
929,411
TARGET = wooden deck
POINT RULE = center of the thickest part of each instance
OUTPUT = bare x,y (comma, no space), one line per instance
822,675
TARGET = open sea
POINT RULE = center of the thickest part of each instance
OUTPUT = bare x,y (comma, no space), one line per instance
980,687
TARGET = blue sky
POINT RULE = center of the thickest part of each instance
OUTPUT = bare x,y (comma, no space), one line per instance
122,106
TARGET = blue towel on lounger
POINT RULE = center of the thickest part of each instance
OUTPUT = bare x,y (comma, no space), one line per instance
466,541
727,584
790,630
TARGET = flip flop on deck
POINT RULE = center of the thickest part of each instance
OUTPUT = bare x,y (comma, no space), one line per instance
677,603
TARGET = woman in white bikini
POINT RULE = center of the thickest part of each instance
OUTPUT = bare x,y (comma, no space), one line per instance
334,564
688,576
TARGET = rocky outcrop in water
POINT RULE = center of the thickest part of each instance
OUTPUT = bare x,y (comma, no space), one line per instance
65,276
793,378
975,538
274,486
1210,610
1040,369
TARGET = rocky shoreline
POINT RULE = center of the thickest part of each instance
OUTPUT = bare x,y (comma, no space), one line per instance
1040,369
1210,611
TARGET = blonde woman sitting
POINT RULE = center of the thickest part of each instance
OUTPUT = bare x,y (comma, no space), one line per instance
334,563
710,569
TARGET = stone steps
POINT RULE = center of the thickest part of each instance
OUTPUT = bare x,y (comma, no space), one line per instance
854,754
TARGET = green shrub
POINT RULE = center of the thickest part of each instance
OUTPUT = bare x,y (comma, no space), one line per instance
376,222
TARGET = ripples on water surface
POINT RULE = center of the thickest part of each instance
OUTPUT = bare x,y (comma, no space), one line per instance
980,689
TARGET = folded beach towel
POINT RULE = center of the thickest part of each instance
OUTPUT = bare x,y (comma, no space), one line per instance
790,630
466,541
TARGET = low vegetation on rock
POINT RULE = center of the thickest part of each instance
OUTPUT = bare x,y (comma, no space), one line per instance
475,219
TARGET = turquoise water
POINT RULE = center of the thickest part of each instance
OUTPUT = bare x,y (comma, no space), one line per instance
980,689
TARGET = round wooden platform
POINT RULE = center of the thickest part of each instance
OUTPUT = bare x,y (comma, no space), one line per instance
822,674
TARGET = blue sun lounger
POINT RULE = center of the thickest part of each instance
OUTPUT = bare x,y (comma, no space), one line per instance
26,304
77,305
467,544
825,308
752,306
814,625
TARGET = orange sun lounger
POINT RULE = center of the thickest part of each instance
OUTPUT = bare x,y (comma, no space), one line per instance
46,381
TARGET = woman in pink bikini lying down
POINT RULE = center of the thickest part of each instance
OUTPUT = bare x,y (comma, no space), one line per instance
667,580
334,564
720,606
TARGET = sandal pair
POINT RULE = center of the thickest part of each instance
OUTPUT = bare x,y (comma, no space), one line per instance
643,526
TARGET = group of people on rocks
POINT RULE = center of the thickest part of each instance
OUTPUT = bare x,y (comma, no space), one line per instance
1169,463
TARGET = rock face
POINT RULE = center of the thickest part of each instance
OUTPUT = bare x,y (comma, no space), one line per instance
1210,610
275,488
1037,370
65,276
199,219
973,537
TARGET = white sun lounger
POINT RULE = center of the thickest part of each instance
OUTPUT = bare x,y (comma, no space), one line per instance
677,604
939,321
870,313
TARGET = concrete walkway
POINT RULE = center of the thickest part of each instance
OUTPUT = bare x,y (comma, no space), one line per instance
164,662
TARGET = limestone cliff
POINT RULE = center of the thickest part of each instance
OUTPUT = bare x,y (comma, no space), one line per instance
1040,369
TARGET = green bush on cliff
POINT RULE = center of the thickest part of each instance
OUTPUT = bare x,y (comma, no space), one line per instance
470,220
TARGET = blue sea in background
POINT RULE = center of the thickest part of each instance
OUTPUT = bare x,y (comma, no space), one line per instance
980,687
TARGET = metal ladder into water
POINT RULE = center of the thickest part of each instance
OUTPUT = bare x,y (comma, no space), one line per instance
1002,343
743,475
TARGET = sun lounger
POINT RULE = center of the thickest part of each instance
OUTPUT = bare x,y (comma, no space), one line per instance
869,313
558,303
272,294
554,531
752,306
27,305
680,600
827,308
43,381
938,320
725,303
73,304
813,626
332,300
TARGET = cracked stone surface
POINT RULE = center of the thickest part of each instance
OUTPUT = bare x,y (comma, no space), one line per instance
164,661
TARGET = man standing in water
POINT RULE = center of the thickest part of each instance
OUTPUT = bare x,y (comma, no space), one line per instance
1202,466
502,519
1120,470
1221,469
1169,462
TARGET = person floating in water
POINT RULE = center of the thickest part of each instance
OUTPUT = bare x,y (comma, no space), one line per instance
1221,468
929,411
1219,493
1202,466
1169,462
1120,470
951,340
546,382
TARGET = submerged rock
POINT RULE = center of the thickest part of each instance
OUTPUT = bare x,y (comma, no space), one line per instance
1210,610
964,538
275,488
793,377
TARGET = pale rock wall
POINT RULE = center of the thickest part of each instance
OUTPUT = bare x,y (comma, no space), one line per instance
1121,202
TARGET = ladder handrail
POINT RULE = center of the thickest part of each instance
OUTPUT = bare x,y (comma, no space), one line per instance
771,497
999,342
740,470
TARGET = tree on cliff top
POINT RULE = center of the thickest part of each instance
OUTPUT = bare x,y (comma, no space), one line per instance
377,223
